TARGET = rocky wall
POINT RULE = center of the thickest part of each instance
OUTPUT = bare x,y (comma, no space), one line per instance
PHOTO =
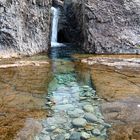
24,27
107,27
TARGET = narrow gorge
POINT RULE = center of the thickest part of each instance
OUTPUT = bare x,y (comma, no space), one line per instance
69,70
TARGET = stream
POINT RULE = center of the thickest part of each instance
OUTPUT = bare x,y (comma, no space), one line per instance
74,107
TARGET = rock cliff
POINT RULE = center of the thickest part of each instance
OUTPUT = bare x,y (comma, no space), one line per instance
24,27
106,26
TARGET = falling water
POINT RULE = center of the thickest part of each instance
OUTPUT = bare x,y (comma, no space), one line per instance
55,14
55,20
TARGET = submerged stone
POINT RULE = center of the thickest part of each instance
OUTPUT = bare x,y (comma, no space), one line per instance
75,136
89,127
60,137
79,122
64,107
91,117
75,113
96,132
88,108
85,135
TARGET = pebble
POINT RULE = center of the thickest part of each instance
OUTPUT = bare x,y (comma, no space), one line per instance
47,138
83,98
88,108
88,127
107,125
79,122
64,107
58,130
76,113
96,132
90,117
85,135
51,128
75,136
67,136
60,137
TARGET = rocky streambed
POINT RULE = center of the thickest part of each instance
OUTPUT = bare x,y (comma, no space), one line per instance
90,98
74,109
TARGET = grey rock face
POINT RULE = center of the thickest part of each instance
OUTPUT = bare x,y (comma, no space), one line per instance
24,27
110,26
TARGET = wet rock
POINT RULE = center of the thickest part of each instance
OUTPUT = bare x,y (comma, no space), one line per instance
75,89
88,108
91,117
96,132
50,128
79,122
107,125
85,135
60,137
1,9
76,113
67,136
65,107
75,136
58,131
89,127
82,98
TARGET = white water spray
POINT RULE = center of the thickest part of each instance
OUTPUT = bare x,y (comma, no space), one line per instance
55,15
55,19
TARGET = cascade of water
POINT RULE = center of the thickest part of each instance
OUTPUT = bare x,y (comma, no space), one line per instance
55,19
55,14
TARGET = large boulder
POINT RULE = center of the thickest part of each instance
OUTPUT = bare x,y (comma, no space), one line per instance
24,27
106,26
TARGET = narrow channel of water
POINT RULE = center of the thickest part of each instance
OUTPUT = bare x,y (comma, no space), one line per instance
74,112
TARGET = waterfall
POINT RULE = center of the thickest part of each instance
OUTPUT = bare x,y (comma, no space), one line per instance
55,15
55,19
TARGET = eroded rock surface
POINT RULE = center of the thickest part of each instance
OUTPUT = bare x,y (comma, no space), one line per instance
117,82
24,27
23,88
106,26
